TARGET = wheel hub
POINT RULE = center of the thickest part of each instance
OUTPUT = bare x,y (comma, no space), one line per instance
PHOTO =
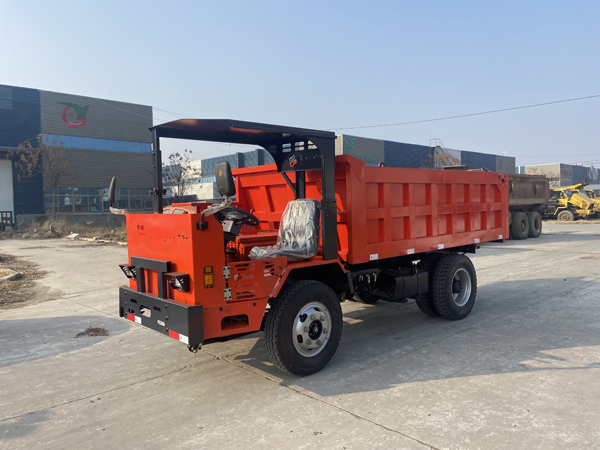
311,329
461,287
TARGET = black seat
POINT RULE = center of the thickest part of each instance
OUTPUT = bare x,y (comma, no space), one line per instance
298,236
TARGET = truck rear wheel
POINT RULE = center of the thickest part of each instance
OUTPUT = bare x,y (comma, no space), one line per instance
565,216
520,225
535,224
303,327
454,286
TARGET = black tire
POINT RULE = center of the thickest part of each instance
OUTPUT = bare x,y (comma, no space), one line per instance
425,302
535,224
565,216
520,225
285,316
454,275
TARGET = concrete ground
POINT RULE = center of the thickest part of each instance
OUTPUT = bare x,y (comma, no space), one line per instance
521,372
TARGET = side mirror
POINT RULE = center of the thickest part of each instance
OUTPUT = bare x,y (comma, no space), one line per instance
225,181
111,192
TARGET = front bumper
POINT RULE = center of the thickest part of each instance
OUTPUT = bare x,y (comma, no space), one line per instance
176,320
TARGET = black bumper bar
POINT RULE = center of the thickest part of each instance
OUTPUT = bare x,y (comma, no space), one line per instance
176,320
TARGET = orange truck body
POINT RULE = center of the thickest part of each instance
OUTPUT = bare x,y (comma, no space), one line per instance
381,213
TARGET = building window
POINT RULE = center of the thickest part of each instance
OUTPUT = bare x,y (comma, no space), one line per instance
90,143
95,200
65,204
65,141
101,144
81,204
77,142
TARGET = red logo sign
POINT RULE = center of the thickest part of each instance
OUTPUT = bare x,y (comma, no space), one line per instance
74,115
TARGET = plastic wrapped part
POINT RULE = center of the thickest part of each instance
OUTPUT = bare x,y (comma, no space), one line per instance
298,236
118,211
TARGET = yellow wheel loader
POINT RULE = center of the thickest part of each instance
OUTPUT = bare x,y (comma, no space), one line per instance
570,203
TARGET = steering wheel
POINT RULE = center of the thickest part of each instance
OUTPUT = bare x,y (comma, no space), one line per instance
238,215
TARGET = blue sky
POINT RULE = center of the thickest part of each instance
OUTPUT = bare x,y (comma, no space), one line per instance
330,65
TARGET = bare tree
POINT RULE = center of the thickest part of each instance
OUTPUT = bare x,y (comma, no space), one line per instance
47,158
179,175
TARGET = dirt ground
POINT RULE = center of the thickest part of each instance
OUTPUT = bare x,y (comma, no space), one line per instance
60,228
18,292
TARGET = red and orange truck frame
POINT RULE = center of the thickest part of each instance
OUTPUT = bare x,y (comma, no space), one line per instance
388,234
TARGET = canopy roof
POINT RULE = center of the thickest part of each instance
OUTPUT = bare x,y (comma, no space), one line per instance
237,132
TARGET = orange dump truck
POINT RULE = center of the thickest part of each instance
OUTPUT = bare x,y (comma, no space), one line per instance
304,235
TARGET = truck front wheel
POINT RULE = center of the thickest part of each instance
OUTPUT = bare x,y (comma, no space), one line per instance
565,216
454,286
303,327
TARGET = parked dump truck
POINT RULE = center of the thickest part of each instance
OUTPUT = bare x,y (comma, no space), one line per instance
527,199
304,235
570,203
528,196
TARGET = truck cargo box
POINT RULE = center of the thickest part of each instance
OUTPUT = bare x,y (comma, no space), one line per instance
526,191
386,212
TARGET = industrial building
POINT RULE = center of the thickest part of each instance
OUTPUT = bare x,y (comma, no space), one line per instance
436,155
102,138
561,175
373,152
205,188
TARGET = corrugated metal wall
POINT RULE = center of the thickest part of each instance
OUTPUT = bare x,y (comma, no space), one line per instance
96,169
104,119
20,120
257,157
505,164
580,174
566,175
399,154
478,160
19,115
365,149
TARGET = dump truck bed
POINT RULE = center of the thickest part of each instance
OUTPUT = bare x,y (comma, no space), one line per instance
526,191
388,212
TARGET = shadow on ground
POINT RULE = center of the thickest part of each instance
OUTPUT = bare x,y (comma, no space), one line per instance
24,425
26,340
512,328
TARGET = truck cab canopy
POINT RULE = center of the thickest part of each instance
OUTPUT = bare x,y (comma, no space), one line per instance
293,149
